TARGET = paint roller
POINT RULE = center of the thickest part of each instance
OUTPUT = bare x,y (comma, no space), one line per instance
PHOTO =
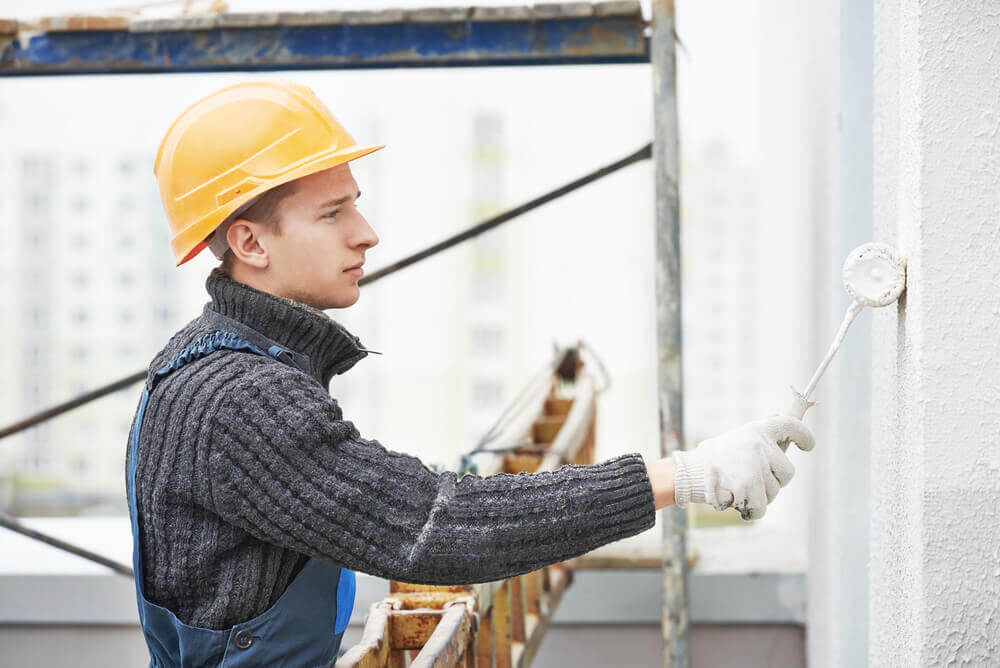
874,275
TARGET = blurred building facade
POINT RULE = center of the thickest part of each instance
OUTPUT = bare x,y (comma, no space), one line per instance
718,200
84,291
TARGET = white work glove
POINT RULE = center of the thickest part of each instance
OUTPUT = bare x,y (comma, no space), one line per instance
743,468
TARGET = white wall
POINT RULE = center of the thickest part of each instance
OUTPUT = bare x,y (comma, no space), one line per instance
935,476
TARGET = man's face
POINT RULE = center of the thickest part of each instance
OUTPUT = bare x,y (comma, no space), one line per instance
322,236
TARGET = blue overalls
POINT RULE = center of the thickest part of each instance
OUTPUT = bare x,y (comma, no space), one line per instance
305,625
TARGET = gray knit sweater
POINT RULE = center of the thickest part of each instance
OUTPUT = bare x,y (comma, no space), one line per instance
247,467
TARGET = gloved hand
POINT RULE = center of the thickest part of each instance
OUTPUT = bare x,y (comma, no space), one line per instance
744,467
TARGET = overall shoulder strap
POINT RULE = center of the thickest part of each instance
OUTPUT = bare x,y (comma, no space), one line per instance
207,345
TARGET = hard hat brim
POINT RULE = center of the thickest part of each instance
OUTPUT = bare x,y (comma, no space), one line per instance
191,240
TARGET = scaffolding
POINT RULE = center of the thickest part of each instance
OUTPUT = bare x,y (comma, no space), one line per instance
512,616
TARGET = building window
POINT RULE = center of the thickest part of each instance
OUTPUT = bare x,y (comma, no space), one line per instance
487,340
33,393
36,317
36,168
35,203
80,317
488,242
486,393
486,287
33,238
487,129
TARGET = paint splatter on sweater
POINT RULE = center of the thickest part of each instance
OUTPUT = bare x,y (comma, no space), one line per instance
247,467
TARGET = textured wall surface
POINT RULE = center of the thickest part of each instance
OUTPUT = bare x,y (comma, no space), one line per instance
935,476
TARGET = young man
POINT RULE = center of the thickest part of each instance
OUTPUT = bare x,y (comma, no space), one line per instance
252,498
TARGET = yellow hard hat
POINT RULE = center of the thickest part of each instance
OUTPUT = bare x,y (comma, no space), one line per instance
231,146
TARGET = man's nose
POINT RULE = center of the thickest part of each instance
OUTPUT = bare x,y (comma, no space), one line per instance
365,234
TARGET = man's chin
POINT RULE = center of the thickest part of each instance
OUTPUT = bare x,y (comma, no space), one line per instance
344,298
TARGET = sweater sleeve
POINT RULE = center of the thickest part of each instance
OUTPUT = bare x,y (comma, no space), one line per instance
285,467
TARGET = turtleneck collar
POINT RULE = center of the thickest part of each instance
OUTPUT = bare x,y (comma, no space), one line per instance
323,347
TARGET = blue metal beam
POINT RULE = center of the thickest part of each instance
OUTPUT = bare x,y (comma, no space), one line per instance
571,40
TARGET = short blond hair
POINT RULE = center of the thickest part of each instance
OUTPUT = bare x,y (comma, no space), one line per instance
265,210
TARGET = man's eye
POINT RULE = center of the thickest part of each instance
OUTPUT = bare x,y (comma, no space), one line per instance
331,214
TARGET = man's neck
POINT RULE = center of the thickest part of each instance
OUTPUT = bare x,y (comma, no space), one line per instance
294,325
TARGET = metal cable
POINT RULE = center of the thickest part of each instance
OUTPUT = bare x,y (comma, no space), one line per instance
11,523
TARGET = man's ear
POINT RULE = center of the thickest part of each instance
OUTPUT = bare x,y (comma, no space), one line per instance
244,240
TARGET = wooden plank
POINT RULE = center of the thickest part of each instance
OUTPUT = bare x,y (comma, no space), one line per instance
484,593
373,17
546,427
439,14
395,586
373,650
411,629
574,432
517,610
562,10
558,406
327,17
425,599
615,562
618,8
484,639
247,20
521,463
81,22
502,638
502,13
538,625
397,659
532,592
174,24
450,639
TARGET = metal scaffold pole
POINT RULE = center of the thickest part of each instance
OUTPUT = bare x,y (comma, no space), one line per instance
668,321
